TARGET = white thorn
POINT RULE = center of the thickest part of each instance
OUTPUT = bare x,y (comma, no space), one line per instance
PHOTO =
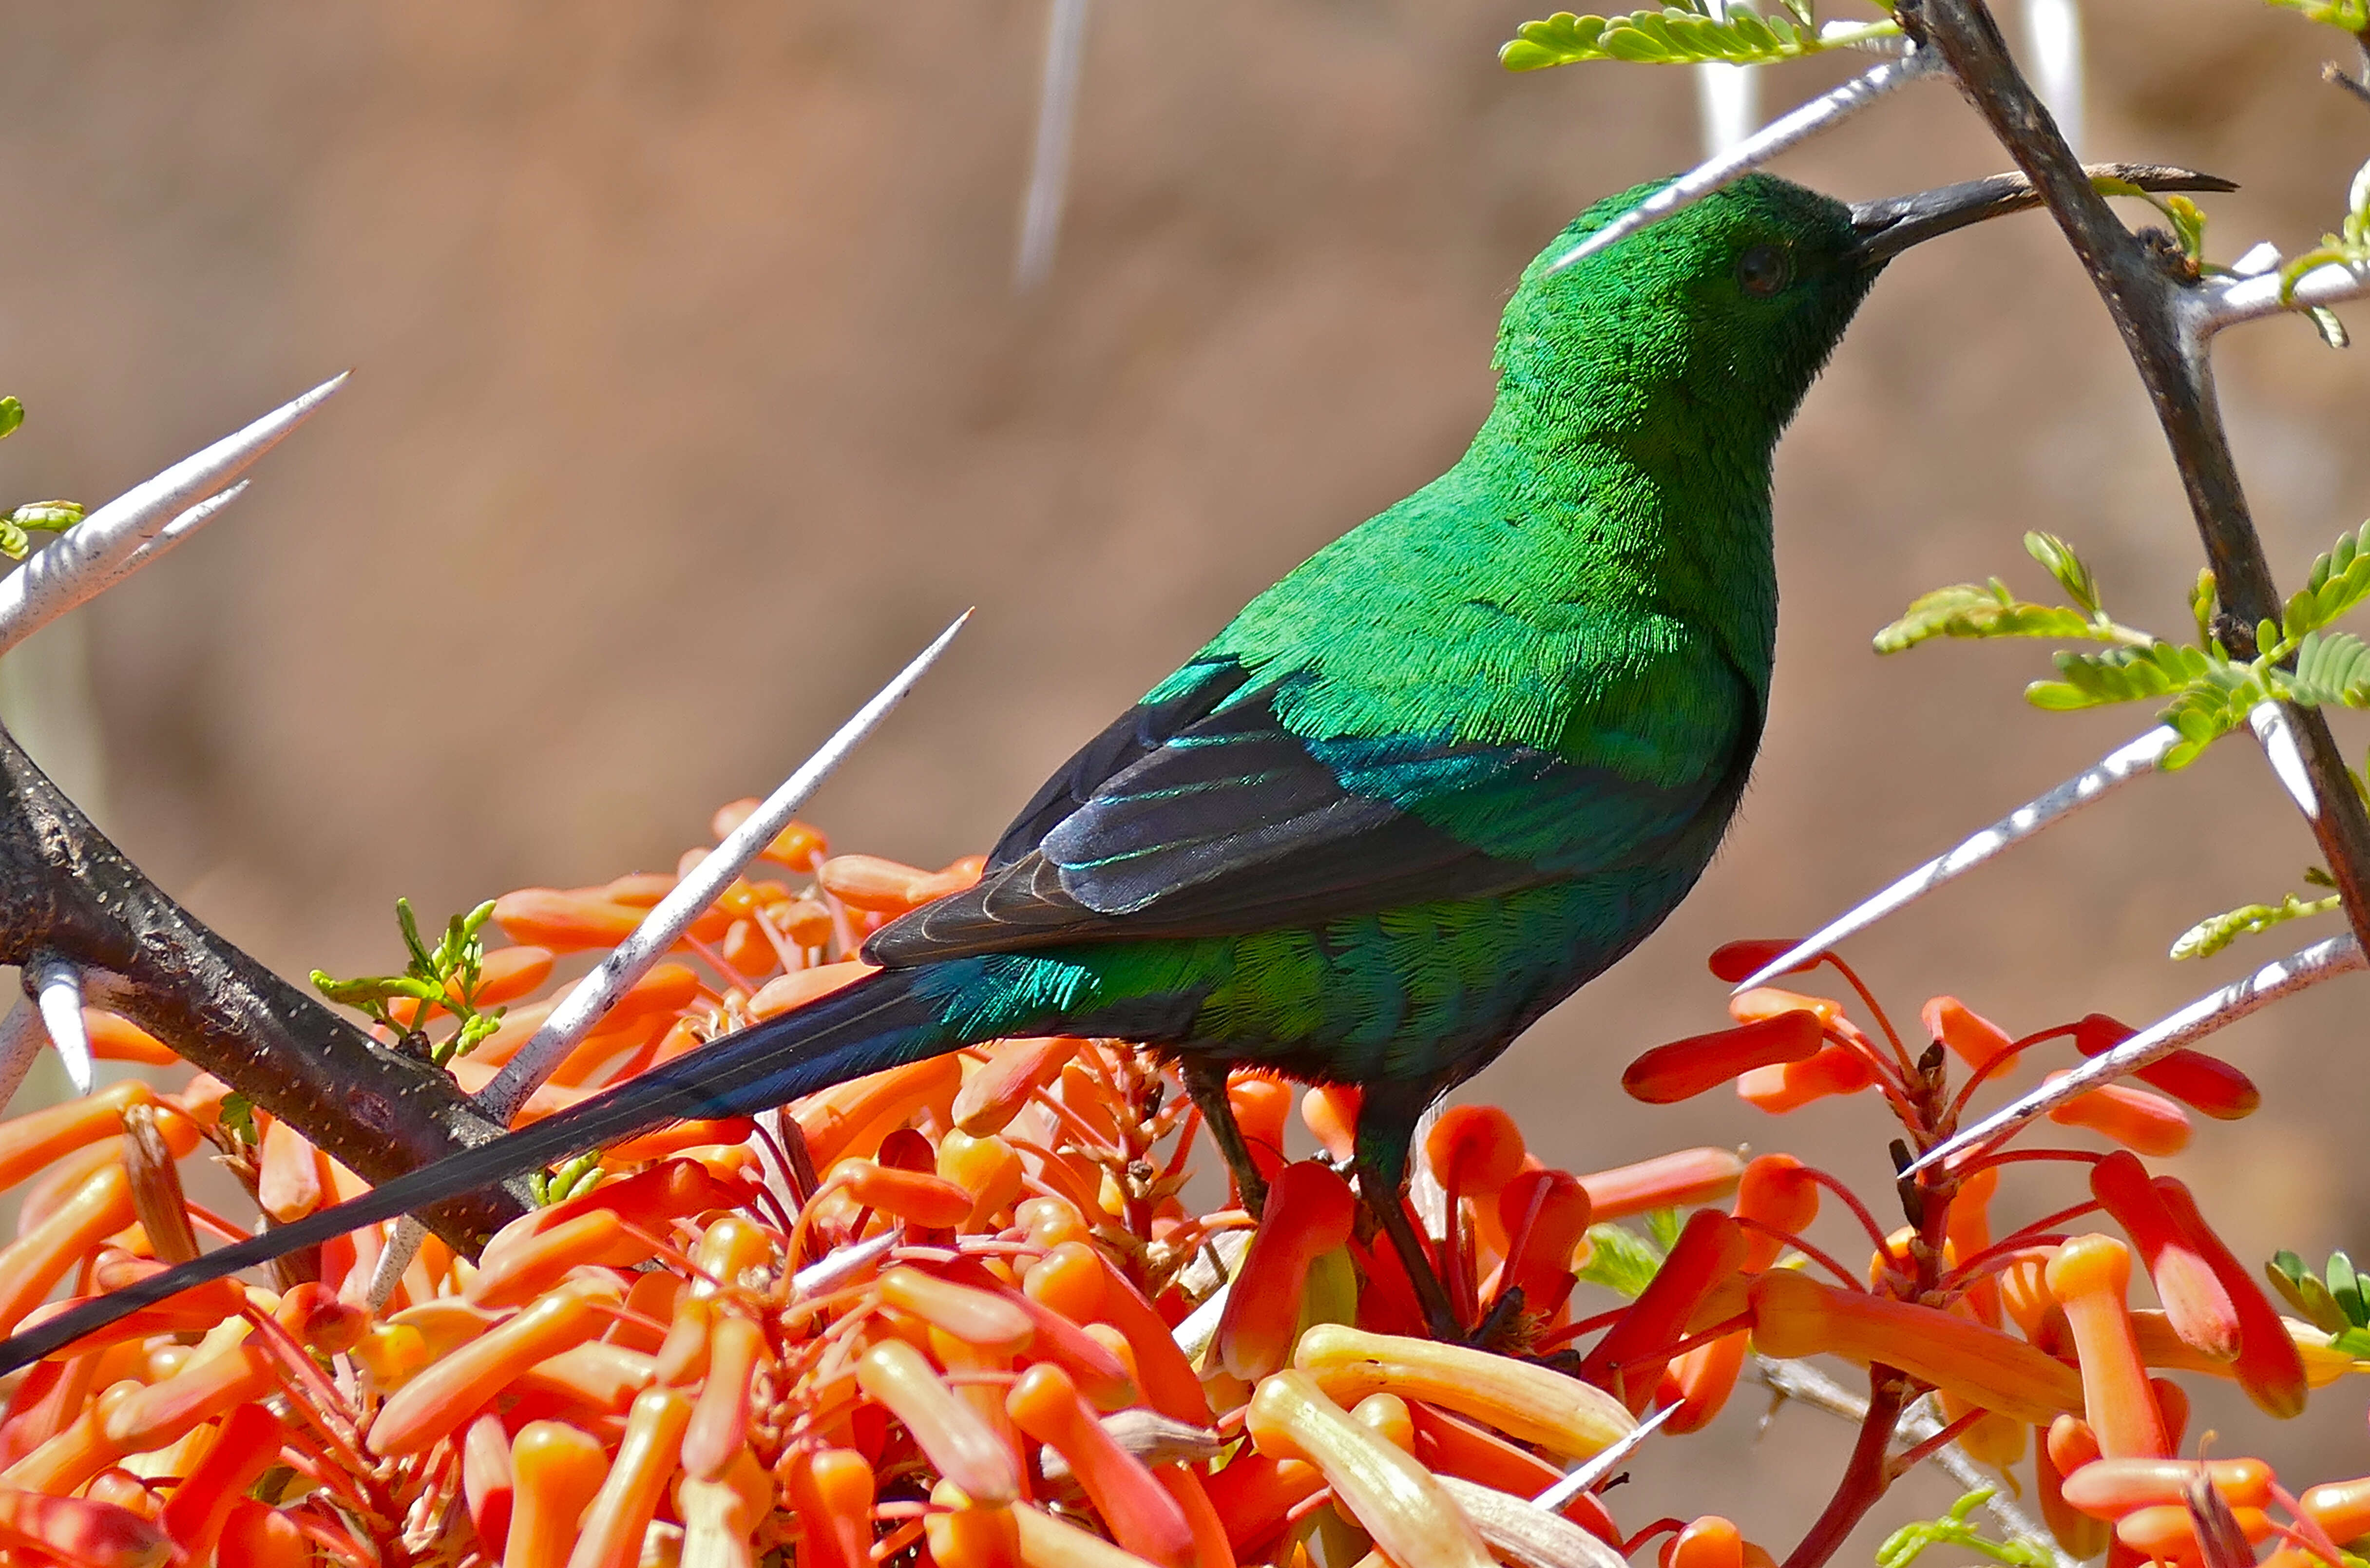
2132,760
180,529
665,925
21,1039
1586,1477
2261,257
59,986
2297,972
2053,31
1728,104
100,550
401,1248
843,1265
2225,302
1786,131
2269,723
1049,163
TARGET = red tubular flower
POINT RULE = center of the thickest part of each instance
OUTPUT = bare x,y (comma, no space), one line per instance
2269,1366
1967,1233
991,1097
1709,1250
1143,1515
2090,1276
1733,962
81,1530
1474,1150
247,1445
2205,1084
1706,1375
1708,1542
1261,1105
1545,1215
1169,1383
1331,1112
1670,1181
486,1480
1310,1211
2067,1447
2194,1300
1687,1068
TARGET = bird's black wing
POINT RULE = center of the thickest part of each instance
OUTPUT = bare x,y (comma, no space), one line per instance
1229,821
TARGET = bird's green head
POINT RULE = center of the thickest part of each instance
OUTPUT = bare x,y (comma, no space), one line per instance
1727,309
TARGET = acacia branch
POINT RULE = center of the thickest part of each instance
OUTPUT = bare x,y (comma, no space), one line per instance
72,896
2148,299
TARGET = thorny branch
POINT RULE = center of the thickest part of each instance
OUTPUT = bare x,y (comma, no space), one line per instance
73,895
2145,295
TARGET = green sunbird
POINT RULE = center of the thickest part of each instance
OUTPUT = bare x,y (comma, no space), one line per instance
1454,765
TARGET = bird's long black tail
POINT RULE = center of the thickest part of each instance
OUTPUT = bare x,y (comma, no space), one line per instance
876,1023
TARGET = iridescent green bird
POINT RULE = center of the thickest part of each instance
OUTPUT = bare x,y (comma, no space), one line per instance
1457,763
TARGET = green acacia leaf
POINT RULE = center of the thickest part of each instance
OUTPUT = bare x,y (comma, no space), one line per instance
2330,668
1620,1260
2118,674
2339,580
2345,1286
2350,16
1965,609
12,414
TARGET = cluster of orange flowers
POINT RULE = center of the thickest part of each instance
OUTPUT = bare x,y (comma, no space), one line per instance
968,1312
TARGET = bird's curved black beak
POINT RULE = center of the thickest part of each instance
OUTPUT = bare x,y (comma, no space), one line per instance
1892,226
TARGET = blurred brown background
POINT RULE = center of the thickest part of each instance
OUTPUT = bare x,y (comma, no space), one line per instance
693,396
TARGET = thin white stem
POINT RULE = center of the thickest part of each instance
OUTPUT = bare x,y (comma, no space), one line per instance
396,1257
21,1039
1789,130
108,545
1590,1473
2220,302
2132,760
1049,163
58,984
665,925
2297,972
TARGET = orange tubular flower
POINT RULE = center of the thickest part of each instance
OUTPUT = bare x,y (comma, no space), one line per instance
437,1402
2089,1277
1796,1316
2065,1448
1169,1383
1779,1192
256,1537
557,1471
1709,1250
2145,1123
1569,1419
2111,1488
719,1420
988,1322
629,1498
29,1142
39,1257
1972,1038
2339,1507
853,1117
1310,1210
2268,1365
963,1536
486,1480
1833,1069
2168,1533
1708,1542
1685,1068
1396,1500
833,1491
1261,1105
991,1097
2194,1300
965,1450
1143,1517
1670,1181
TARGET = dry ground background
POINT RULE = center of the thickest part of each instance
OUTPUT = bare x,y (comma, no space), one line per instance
691,397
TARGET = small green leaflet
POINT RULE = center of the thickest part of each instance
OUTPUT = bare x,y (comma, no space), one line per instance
2210,935
2352,15
1966,610
2337,1305
1902,1546
1621,1260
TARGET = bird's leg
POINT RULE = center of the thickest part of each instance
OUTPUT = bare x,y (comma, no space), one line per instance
1387,1119
1206,1082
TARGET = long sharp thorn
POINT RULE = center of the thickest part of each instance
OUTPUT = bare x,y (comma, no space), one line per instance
1049,163
2299,970
1786,131
2132,760
100,550
21,1039
58,984
1587,1477
180,529
836,1270
665,925
2269,723
393,1258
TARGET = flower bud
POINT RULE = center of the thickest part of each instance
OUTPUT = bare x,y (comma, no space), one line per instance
1393,1499
2205,1084
1796,1316
1142,1517
1833,1069
1014,1070
961,1446
1528,1402
1670,1181
1709,1250
1687,1068
1310,1211
2146,1123
2199,1308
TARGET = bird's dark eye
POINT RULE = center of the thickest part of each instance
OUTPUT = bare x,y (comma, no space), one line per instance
1765,269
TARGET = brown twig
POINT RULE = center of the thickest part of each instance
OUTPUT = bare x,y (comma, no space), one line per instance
73,895
2144,295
